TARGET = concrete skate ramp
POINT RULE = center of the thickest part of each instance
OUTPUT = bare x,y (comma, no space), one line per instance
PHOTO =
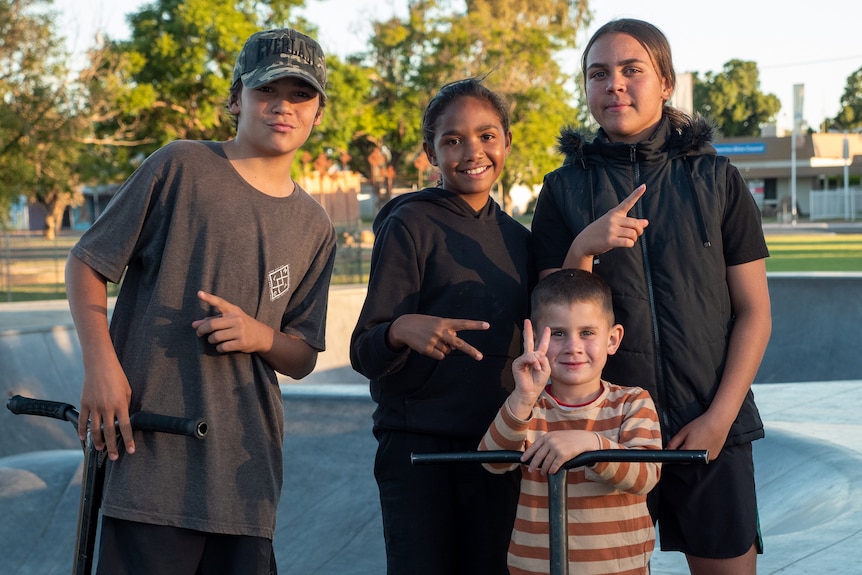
40,356
329,520
809,467
43,363
816,328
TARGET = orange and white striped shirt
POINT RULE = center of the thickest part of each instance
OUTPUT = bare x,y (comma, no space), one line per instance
610,529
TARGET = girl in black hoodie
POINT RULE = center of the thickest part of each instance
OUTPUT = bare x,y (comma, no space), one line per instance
449,288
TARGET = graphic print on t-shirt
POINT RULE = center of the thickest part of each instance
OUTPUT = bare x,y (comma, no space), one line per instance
279,282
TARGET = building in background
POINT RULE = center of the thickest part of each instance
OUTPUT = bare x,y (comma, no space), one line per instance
828,170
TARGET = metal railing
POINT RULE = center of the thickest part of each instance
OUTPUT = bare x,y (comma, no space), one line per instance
557,494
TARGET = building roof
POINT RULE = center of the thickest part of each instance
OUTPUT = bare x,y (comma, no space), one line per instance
771,156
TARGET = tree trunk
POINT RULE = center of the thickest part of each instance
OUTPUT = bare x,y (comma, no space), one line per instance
54,217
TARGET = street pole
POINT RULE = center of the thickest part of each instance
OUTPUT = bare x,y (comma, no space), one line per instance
848,215
793,175
798,95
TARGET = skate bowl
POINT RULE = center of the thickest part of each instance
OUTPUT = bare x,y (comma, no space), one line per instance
809,466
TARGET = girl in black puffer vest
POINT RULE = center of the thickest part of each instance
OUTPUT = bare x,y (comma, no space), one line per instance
684,255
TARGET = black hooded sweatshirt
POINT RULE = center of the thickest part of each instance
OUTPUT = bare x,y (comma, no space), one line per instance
434,255
670,291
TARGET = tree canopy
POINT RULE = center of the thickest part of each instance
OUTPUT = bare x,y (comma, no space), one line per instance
733,100
39,153
850,116
170,79
515,46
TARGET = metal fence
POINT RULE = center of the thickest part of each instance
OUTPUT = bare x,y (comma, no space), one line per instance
33,268
836,204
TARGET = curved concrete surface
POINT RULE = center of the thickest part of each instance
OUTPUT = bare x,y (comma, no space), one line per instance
328,521
809,478
809,467
816,321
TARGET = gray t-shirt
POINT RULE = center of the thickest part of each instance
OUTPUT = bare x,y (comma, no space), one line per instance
187,221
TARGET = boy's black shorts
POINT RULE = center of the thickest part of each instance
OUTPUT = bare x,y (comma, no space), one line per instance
131,548
710,510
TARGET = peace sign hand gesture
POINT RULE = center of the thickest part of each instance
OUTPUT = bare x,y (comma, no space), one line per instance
532,372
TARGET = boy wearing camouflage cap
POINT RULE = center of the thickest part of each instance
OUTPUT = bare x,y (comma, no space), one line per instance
225,263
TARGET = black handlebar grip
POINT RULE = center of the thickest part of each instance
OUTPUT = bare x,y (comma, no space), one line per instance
21,405
169,424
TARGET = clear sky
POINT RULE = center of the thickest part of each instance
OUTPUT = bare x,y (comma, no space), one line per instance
816,44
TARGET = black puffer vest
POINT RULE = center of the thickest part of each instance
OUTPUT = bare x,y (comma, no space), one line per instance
670,291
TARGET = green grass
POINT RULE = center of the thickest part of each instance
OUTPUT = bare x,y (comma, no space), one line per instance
814,253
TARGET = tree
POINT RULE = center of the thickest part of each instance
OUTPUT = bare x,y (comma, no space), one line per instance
392,134
38,149
733,100
850,115
512,43
524,42
170,80
347,111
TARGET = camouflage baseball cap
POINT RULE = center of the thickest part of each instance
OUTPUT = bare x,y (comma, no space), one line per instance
282,53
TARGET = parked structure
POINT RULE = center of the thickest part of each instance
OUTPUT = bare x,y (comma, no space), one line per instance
828,170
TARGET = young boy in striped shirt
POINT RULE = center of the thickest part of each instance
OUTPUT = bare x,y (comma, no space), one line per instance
561,408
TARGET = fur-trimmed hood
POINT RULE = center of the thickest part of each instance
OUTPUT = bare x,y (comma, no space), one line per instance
688,135
678,136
